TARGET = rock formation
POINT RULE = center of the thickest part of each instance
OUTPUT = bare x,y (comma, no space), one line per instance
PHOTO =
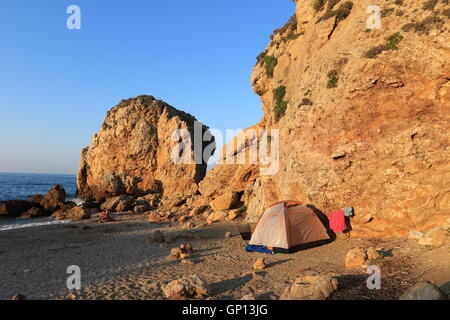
35,206
363,116
132,153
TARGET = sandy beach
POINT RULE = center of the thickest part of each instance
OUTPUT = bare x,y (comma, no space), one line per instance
118,261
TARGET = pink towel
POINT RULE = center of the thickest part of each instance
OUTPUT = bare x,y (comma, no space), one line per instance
337,221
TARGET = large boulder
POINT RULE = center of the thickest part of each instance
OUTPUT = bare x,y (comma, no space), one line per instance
74,214
311,288
358,257
423,290
193,286
118,204
52,200
132,153
14,208
34,212
226,201
36,199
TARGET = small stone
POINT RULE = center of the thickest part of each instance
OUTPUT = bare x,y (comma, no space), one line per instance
355,257
249,297
187,287
71,296
175,252
227,235
187,261
217,216
259,264
234,214
172,258
338,154
19,297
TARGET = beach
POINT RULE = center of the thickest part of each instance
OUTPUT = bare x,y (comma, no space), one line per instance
118,262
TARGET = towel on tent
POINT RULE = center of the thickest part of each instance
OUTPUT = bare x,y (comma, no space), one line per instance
337,221
262,249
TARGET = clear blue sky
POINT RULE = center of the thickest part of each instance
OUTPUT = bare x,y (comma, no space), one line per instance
57,84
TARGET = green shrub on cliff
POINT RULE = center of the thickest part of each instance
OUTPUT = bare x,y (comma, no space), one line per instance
332,79
391,44
280,105
270,62
319,4
393,41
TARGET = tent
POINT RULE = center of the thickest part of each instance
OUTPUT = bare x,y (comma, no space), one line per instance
289,226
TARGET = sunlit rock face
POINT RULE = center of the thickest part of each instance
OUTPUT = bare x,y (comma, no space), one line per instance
363,115
133,153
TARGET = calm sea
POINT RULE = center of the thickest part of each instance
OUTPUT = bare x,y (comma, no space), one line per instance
21,186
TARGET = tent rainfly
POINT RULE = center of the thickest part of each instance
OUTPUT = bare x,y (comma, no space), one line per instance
289,226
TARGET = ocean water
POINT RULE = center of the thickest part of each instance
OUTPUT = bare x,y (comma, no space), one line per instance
21,186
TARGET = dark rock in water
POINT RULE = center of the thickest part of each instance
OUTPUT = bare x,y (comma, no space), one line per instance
36,199
14,208
423,290
36,206
34,212
54,198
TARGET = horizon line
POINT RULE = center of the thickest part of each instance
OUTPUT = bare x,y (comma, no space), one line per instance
38,173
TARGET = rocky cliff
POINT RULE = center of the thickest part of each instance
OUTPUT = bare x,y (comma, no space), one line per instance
132,153
363,115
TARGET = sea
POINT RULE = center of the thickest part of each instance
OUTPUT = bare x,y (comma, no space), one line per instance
21,186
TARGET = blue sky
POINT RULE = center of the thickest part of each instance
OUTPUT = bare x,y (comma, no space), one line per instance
57,84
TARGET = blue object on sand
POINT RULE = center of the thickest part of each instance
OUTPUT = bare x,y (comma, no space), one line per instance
262,249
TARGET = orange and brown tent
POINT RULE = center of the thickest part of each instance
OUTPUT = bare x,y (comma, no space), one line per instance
289,226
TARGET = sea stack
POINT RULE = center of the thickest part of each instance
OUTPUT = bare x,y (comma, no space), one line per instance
132,153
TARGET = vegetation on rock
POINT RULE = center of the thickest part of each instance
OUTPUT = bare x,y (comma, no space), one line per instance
280,105
270,62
